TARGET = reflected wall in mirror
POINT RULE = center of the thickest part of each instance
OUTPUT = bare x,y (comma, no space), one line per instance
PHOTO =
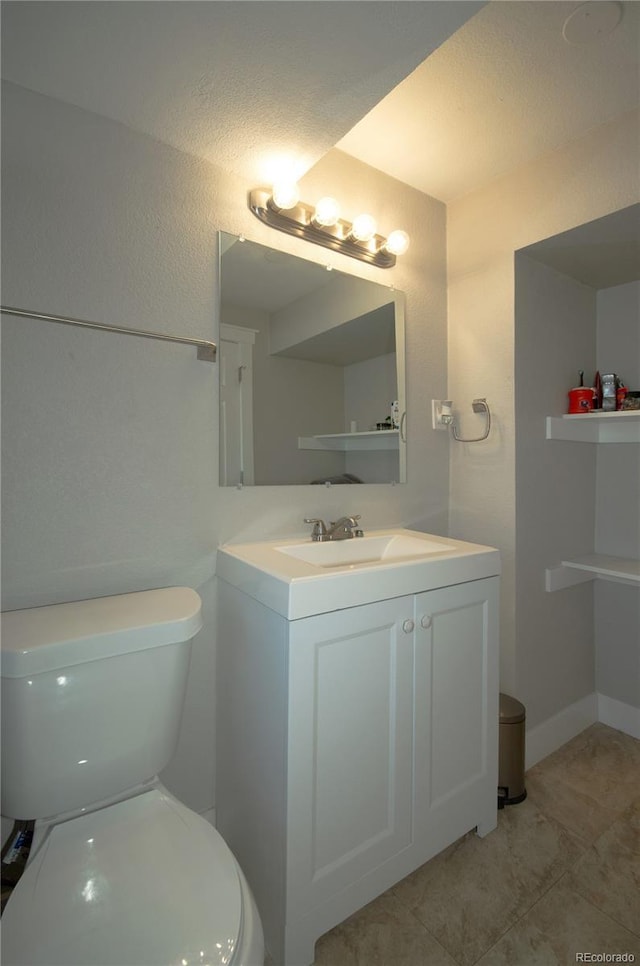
310,363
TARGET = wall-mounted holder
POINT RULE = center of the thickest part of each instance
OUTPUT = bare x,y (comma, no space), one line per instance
442,418
205,350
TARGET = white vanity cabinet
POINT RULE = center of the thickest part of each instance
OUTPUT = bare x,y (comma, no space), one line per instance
353,746
350,759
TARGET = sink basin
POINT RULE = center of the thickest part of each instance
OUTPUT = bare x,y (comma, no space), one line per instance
363,550
299,578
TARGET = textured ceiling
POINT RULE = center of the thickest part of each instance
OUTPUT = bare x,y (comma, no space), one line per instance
444,96
234,82
505,89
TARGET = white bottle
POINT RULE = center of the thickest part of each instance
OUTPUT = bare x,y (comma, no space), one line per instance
395,414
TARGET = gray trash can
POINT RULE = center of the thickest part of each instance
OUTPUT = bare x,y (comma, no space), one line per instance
511,788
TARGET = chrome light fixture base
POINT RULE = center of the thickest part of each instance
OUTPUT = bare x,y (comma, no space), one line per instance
299,221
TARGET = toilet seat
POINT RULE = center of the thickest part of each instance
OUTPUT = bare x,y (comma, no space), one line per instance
140,883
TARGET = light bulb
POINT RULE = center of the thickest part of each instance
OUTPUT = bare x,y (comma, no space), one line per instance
363,228
327,212
397,242
285,194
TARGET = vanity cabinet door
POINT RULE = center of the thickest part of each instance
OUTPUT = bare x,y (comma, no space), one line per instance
456,700
350,747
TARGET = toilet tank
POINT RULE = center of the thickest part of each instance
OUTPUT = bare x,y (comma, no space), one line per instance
92,695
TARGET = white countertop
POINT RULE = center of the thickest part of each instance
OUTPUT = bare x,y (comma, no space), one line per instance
296,588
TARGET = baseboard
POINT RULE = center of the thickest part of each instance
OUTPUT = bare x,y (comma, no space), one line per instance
618,715
551,734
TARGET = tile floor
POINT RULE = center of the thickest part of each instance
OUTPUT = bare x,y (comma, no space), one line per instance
559,876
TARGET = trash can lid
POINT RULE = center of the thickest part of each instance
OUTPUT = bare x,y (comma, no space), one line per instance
511,710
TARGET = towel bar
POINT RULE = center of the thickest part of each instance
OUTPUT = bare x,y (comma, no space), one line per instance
206,350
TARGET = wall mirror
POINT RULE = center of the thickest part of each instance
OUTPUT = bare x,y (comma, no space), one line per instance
312,372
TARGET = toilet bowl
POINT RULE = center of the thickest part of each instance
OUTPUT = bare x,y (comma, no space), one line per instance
120,872
139,882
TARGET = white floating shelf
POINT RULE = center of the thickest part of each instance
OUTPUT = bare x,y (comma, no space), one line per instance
578,570
375,440
616,427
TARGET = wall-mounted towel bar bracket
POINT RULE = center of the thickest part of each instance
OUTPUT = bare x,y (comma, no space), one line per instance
206,350
442,417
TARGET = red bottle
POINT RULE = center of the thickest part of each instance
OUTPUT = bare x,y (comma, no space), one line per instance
597,390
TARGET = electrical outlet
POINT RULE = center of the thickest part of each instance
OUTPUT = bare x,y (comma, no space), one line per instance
441,413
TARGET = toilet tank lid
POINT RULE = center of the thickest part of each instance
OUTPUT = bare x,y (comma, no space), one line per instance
43,639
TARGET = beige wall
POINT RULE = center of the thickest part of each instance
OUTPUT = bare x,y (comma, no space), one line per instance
111,443
587,179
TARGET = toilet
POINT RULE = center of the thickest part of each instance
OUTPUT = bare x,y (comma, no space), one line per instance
120,873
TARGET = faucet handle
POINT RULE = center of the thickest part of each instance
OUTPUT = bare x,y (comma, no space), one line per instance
347,521
319,528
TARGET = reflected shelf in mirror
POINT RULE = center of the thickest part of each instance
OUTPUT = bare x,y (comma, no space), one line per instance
373,440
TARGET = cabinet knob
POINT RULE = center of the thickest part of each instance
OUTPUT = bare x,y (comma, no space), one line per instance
407,626
426,620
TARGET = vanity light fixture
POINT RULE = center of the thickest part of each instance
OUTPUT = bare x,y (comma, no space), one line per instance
285,195
327,213
280,207
364,228
398,242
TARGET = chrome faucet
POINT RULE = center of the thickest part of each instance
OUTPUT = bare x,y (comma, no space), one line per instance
343,529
